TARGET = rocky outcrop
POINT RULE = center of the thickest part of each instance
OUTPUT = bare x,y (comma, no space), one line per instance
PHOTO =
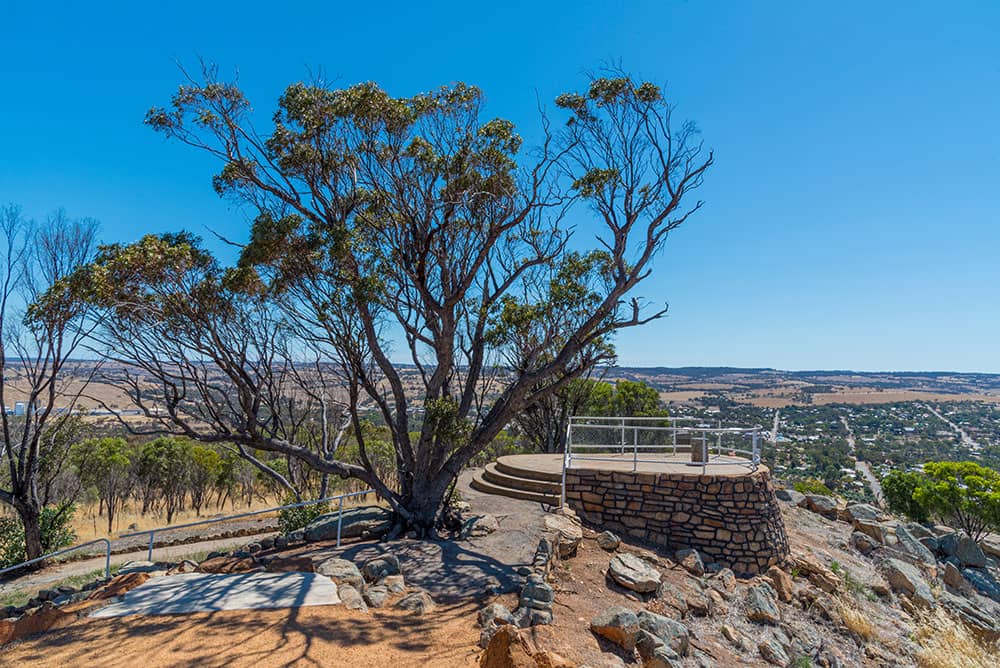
619,625
364,521
906,579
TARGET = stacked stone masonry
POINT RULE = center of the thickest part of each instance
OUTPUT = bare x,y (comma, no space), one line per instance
732,520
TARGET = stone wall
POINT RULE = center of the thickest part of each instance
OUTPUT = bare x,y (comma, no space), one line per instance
732,520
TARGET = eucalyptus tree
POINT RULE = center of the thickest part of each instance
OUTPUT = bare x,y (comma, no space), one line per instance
413,225
41,328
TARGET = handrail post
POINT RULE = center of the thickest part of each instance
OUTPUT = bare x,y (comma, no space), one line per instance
149,556
340,519
635,449
623,435
107,559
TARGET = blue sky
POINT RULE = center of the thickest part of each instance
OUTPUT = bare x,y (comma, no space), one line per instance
851,217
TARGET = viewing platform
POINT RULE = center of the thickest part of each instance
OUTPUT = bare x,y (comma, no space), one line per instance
668,485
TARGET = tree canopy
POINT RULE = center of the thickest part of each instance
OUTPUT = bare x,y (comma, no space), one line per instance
382,221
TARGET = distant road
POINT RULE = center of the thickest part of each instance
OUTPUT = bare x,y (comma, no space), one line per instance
774,428
966,439
862,466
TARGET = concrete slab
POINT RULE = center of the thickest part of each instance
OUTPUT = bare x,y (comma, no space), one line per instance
206,592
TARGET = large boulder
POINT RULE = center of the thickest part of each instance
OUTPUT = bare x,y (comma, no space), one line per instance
983,581
351,597
419,602
782,583
633,573
860,511
608,541
667,631
762,604
619,625
380,567
363,521
863,543
968,551
872,529
507,649
822,505
568,533
791,496
906,579
911,549
341,571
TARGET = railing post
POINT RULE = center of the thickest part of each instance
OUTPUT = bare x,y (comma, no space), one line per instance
340,519
149,556
623,436
635,449
107,559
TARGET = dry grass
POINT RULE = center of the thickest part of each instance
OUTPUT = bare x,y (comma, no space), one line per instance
945,642
89,525
856,620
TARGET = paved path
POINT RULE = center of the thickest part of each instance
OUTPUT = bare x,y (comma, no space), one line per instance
207,592
861,466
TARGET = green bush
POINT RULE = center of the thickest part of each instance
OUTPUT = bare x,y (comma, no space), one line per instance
292,519
812,486
56,533
898,488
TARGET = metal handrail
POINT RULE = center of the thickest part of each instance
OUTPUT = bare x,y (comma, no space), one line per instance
622,425
107,557
340,517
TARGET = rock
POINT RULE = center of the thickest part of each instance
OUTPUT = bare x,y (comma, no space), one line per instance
822,505
633,573
953,577
724,582
479,526
983,582
351,597
790,495
863,543
691,561
991,545
737,639
536,594
291,565
526,617
280,542
568,532
394,583
762,604
654,653
228,565
817,573
619,625
119,585
375,595
494,613
906,579
267,543
608,541
417,602
506,649
379,567
185,566
982,623
968,551
667,631
341,571
872,529
860,511
911,549
698,604
371,520
782,583
772,652
47,595
673,597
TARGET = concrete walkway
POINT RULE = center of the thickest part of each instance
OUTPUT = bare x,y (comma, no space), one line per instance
205,592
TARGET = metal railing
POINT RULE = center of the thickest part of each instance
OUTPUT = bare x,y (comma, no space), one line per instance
152,532
656,440
107,557
340,517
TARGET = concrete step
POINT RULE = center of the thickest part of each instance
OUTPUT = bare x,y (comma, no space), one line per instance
480,484
508,465
492,474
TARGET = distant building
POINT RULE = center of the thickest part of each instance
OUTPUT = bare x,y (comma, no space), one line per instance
19,408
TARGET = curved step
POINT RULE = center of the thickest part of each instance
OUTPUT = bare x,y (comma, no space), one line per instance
509,466
481,485
492,474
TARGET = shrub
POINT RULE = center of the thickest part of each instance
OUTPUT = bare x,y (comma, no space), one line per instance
812,486
962,494
56,533
292,519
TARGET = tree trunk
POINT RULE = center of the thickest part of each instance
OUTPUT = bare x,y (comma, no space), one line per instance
31,520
